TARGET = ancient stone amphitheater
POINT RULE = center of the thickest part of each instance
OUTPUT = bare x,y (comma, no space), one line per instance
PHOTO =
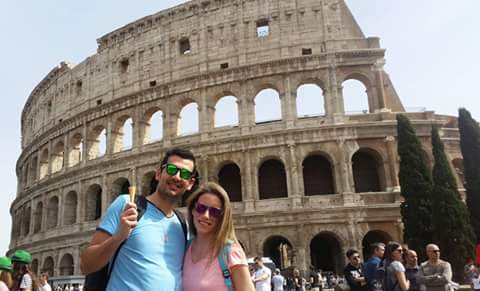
306,186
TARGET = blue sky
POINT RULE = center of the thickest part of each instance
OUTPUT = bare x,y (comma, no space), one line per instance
432,55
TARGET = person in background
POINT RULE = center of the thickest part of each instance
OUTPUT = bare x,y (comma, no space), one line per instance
411,268
298,281
476,282
435,274
353,272
6,280
23,276
378,249
262,276
396,278
278,281
44,286
211,221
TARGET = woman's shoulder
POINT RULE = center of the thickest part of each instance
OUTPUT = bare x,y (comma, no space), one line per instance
397,266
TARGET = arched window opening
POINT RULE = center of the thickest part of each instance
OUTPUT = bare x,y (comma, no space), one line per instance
37,224
26,221
33,170
149,183
52,212
317,176
267,106
120,186
355,98
371,237
66,265
122,134
154,130
93,204
226,111
127,134
188,119
230,179
458,166
57,157
272,180
48,266
76,150
326,253
365,173
44,164
98,143
280,250
70,210
310,101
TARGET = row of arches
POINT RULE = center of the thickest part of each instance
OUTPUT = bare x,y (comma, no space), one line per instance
66,266
125,132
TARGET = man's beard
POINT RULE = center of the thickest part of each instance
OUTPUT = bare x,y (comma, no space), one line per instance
166,195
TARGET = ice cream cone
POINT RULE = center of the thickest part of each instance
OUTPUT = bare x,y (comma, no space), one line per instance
132,191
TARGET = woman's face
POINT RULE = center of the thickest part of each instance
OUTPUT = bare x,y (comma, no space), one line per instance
397,254
207,214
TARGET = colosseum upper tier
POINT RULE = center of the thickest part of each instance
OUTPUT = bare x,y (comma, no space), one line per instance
305,187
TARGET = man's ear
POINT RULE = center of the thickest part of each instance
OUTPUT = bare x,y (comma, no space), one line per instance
192,182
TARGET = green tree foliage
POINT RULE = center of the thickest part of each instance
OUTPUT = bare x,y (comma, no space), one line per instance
453,232
416,185
470,145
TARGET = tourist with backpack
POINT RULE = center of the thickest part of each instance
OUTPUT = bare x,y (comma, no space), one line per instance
396,279
214,260
140,245
377,252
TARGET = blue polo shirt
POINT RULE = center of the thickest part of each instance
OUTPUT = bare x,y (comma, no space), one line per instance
152,256
369,270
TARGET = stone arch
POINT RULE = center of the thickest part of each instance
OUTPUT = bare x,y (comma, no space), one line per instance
48,266
188,118
149,183
26,220
120,186
25,175
459,170
122,134
326,252
272,180
230,178
310,100
318,176
35,266
32,172
57,156
38,216
43,164
93,203
373,236
367,171
52,212
355,92
279,249
153,129
226,111
75,155
66,265
268,106
97,142
70,208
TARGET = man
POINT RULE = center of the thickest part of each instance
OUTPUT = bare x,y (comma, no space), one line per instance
434,274
378,249
353,272
262,276
152,256
278,281
44,286
411,269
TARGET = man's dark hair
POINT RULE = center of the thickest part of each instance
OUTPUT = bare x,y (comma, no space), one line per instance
376,245
351,252
257,259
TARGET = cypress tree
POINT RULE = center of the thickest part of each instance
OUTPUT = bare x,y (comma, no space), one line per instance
416,184
470,145
452,230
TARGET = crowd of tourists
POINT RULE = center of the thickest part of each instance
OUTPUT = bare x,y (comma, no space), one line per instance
143,243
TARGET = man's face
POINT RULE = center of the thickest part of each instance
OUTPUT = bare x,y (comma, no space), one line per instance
433,252
355,259
412,258
173,186
258,264
380,251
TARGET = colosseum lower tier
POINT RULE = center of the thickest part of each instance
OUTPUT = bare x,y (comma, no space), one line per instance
305,186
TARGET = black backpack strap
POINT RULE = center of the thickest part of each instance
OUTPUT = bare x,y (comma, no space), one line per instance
183,222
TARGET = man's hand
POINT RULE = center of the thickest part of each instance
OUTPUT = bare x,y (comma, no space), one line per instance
128,220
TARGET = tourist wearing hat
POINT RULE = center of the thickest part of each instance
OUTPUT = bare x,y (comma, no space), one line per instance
24,278
6,280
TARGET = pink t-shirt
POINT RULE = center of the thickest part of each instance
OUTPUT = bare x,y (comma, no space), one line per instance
206,275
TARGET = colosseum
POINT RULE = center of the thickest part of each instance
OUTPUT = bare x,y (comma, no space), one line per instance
305,187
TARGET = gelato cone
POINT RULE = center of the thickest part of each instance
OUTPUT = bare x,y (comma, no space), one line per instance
132,192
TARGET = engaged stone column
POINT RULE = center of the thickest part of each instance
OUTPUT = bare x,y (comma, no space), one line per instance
394,184
289,104
381,100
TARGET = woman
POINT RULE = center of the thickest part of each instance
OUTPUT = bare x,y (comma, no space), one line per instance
396,279
210,216
24,278
6,281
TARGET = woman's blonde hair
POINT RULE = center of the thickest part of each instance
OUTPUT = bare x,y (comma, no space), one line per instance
6,277
224,231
